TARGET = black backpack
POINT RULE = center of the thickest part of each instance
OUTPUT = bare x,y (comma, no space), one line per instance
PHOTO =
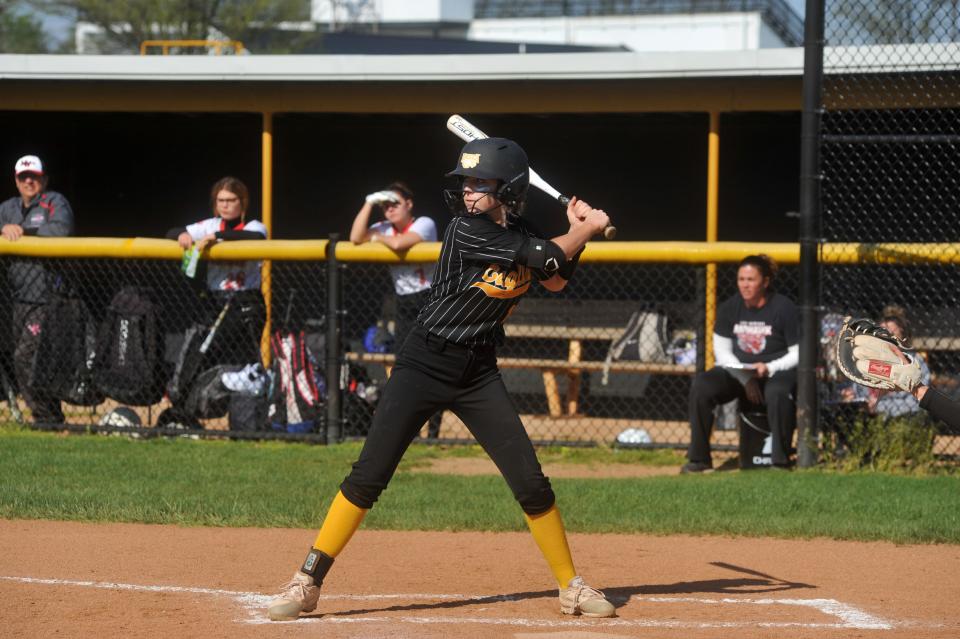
645,339
128,365
82,388
63,361
187,365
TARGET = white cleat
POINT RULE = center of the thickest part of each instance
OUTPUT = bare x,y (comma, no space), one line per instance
296,596
580,599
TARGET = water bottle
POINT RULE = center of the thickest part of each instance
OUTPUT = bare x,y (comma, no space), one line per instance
191,257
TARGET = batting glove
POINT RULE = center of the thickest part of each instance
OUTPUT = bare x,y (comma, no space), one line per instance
380,197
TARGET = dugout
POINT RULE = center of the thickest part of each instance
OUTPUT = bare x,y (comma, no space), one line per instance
135,142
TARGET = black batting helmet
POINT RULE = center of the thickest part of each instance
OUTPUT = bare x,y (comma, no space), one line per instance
496,159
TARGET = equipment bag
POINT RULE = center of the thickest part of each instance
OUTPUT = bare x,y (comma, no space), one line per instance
187,364
63,361
82,389
298,399
644,339
248,412
127,367
209,398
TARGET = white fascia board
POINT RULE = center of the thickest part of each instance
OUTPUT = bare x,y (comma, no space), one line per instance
441,68
457,68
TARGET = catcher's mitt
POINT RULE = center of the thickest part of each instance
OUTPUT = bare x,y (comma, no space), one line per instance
870,355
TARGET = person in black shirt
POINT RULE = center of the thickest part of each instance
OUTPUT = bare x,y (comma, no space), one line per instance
756,335
489,258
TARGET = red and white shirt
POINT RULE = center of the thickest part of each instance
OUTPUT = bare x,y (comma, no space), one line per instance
229,276
410,278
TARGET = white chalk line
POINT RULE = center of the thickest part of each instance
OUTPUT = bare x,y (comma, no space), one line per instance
852,617
255,604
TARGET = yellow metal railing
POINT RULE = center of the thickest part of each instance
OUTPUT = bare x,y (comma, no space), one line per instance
216,45
596,252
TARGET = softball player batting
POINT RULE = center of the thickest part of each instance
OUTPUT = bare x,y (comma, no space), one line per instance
489,259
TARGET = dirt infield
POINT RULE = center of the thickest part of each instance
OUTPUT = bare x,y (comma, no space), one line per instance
130,580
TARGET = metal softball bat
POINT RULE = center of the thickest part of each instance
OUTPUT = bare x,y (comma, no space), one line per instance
467,132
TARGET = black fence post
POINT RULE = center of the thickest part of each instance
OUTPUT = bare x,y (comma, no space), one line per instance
807,412
701,319
334,354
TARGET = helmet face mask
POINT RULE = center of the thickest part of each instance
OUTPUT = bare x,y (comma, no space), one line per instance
492,159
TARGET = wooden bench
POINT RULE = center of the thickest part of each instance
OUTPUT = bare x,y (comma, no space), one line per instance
574,336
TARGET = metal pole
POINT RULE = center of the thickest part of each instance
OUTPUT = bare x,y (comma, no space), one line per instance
334,386
266,214
332,364
333,341
713,207
807,412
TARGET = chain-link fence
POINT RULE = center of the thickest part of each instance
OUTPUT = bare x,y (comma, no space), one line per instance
557,362
890,166
125,344
135,345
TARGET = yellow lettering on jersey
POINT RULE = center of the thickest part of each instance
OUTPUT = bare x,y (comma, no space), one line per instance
504,284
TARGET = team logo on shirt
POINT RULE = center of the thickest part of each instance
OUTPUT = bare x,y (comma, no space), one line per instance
469,160
504,284
752,336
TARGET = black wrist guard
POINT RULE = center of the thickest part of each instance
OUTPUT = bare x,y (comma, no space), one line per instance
316,565
566,271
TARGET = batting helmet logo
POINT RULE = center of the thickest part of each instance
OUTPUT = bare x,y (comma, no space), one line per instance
469,160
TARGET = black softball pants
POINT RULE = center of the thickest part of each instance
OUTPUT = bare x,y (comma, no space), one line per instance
408,308
29,323
432,374
716,386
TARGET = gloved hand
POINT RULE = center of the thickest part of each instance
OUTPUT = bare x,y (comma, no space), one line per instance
381,197
870,355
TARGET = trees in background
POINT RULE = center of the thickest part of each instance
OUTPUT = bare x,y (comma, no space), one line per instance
123,25
20,32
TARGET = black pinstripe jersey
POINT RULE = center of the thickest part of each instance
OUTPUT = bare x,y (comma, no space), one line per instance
478,281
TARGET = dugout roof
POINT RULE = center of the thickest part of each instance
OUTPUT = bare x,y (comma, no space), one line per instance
759,80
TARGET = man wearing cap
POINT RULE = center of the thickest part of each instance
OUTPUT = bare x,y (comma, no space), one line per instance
36,211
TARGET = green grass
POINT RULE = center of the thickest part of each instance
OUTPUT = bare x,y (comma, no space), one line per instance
588,456
223,483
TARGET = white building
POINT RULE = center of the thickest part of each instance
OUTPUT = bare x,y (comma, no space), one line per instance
643,26
670,25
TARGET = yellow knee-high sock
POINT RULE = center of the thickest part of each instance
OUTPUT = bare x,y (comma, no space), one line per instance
341,522
548,532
